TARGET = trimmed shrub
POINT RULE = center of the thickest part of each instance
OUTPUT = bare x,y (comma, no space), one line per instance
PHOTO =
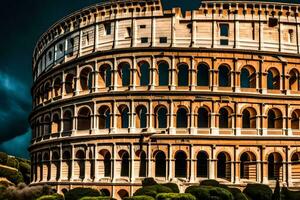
12,175
51,197
12,162
290,195
173,186
6,183
240,196
3,158
152,190
140,198
97,198
209,193
258,192
175,196
210,182
78,193
149,182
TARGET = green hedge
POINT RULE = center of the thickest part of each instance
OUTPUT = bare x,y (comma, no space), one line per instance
175,196
12,162
286,194
144,197
51,197
3,158
173,186
78,193
11,175
209,192
152,190
97,198
210,182
258,192
148,182
240,196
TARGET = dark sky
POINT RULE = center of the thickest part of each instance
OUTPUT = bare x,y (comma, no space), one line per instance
22,22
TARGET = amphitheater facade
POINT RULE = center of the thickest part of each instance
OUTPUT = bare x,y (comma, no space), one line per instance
126,90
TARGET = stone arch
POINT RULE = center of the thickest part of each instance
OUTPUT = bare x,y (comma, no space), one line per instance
105,192
104,117
47,91
161,118
66,165
143,73
105,75
86,79
203,74
248,77
47,125
295,122
142,164
124,70
141,116
224,165
203,117
163,73
79,168
248,168
225,117
160,164
275,119
68,120
183,74
55,125
84,118
124,116
182,117
202,164
123,194
273,79
249,118
46,167
294,80
57,86
69,83
295,162
275,166
105,162
180,164
125,167
224,75
55,166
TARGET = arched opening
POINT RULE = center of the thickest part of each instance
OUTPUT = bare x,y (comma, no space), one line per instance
80,164
161,121
163,74
183,75
249,118
104,117
248,166
224,166
66,165
125,74
55,127
144,73
107,164
143,164
295,119
160,164
141,112
105,75
124,111
273,79
202,164
294,80
203,75
47,126
84,119
123,194
224,76
69,83
55,166
124,164
225,118
182,118
57,87
180,164
46,167
68,121
86,79
274,166
47,91
295,167
248,77
203,118
274,119
105,192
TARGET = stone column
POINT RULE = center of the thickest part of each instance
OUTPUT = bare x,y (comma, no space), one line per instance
96,164
133,74
149,157
172,129
72,163
170,160
132,116
152,73
114,117
114,85
114,163
172,72
132,177
193,75
192,165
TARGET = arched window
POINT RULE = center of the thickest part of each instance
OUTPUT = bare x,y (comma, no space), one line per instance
68,121
202,164
124,164
46,166
203,75
55,127
163,74
84,119
273,79
274,166
248,77
47,127
141,117
180,164
224,118
80,157
295,119
125,74
66,165
69,83
105,75
161,121
56,165
182,118
105,192
160,164
47,91
224,166
143,164
107,164
124,116
248,166
86,80
294,80
274,118
295,166
203,118
123,194
144,74
249,118
183,75
57,87
104,117
224,76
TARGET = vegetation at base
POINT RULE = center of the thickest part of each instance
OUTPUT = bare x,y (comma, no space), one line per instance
152,190
51,197
78,193
258,192
175,196
209,192
173,186
143,197
97,198
286,194
12,175
148,182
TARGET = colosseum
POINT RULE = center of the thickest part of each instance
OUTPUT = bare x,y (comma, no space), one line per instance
125,90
